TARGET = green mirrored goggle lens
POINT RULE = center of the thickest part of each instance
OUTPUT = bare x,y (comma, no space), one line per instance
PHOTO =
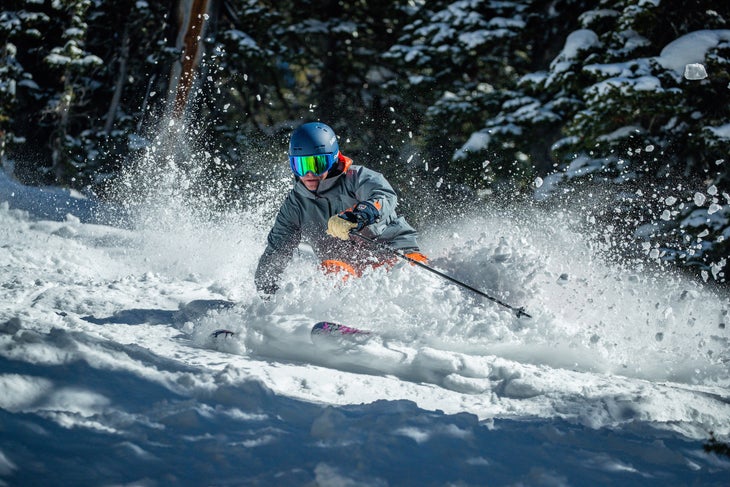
317,164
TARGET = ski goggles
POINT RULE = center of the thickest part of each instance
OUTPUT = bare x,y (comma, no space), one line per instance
318,164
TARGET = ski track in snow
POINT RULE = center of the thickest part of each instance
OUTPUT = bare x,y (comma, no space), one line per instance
607,349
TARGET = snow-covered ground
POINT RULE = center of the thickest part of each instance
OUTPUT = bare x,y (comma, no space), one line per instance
109,376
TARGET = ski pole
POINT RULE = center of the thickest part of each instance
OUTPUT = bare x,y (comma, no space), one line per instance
520,312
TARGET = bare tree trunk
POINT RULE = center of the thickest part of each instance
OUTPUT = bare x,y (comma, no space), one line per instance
58,141
192,17
124,56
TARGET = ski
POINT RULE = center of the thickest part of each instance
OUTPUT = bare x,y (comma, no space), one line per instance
327,331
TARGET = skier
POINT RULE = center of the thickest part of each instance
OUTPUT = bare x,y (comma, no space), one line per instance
332,197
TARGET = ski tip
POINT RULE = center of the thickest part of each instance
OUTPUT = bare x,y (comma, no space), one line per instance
225,333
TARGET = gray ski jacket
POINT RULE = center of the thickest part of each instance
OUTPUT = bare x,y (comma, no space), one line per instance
304,215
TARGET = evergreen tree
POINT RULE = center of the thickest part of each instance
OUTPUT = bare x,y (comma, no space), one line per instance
134,39
462,61
71,65
23,26
13,78
66,109
620,110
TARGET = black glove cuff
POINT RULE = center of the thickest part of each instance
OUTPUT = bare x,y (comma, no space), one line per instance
366,214
363,214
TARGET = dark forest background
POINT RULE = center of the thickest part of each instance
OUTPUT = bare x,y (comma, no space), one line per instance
453,100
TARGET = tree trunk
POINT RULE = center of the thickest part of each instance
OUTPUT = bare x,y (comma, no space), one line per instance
192,17
124,56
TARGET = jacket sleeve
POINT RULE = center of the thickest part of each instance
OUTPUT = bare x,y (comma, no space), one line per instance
371,186
283,239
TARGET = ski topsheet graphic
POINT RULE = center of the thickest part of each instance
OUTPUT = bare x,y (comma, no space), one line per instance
327,333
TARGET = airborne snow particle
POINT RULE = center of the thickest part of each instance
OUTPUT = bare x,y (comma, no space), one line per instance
695,71
714,208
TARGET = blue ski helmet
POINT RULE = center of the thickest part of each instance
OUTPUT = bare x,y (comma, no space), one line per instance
313,148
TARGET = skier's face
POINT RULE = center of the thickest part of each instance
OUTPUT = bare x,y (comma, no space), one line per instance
311,181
